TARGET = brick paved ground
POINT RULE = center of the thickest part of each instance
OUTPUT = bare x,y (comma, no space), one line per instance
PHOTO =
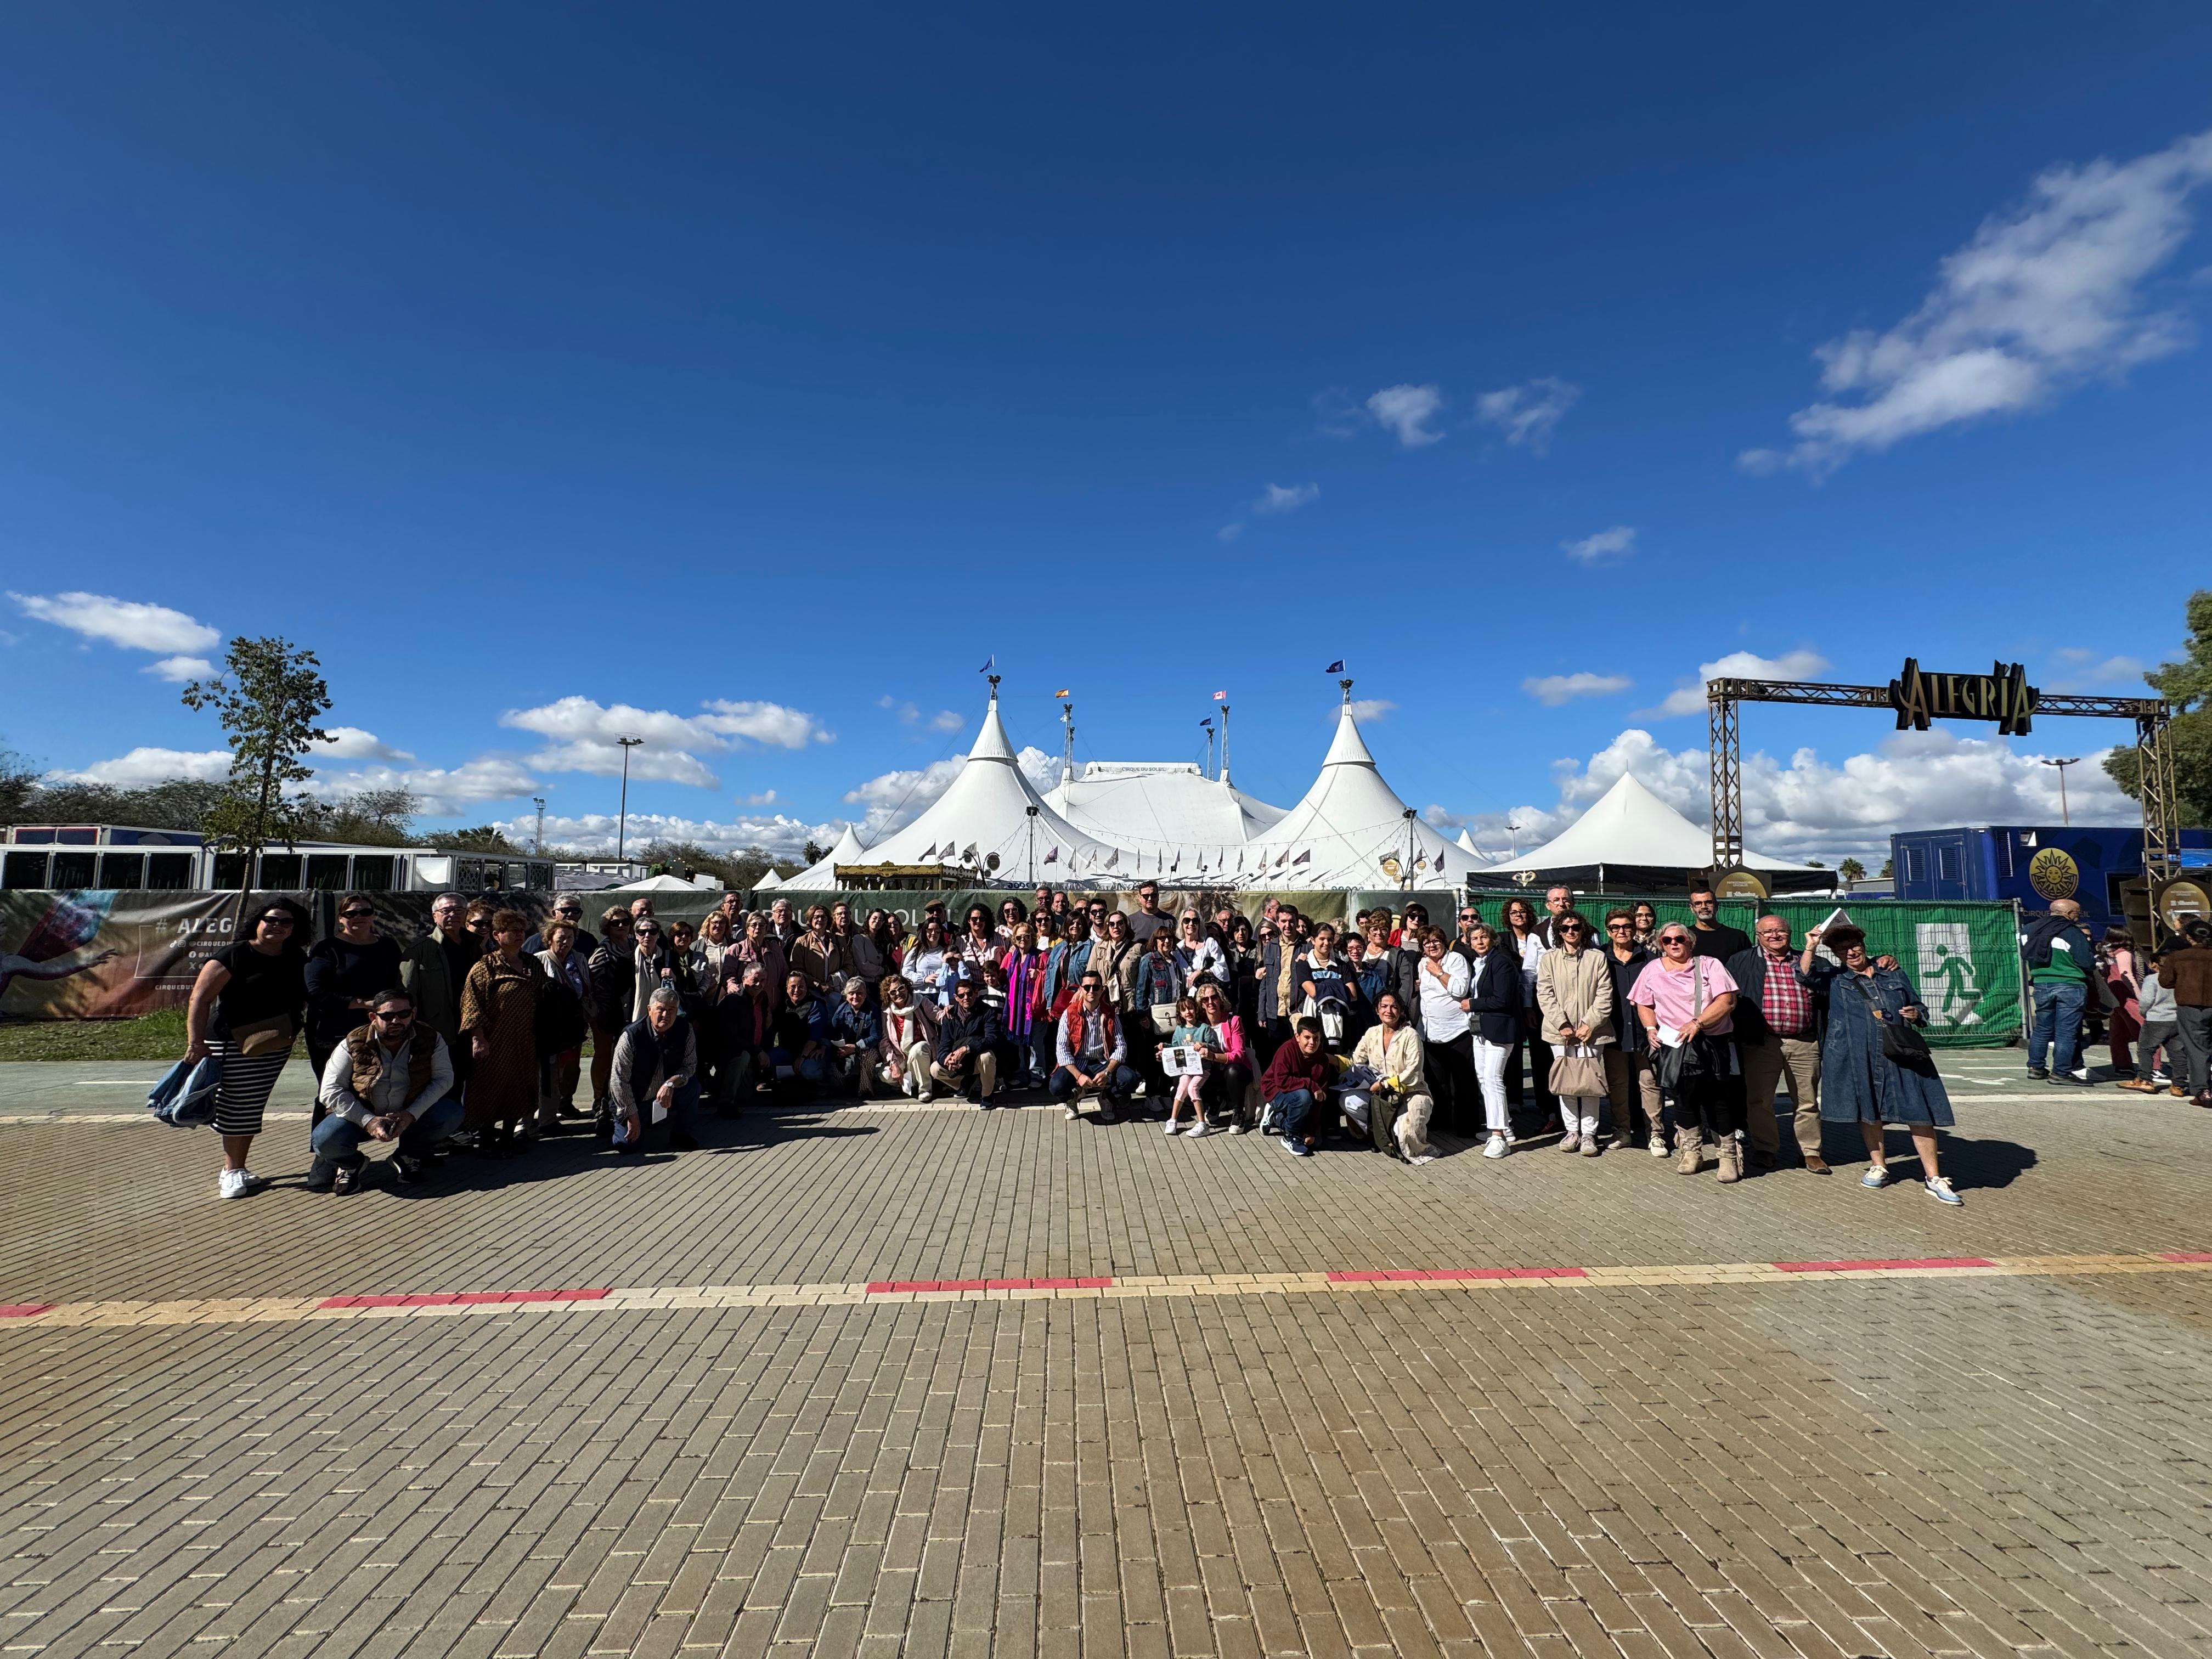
1974,1462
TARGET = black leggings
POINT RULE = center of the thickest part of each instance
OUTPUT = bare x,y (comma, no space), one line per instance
1225,1086
1708,1103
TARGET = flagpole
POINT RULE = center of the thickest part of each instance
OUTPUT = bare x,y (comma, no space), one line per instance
1225,744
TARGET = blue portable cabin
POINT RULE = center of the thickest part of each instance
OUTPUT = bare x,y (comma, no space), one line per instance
2033,863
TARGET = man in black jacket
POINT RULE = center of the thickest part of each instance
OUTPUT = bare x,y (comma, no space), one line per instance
613,971
966,1052
1628,1078
1712,937
569,909
1777,1034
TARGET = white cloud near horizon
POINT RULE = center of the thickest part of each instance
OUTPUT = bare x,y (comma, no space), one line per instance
351,743
146,766
1405,412
134,626
595,832
1553,690
440,792
1611,546
1279,498
1364,709
1690,699
585,734
2047,296
1528,414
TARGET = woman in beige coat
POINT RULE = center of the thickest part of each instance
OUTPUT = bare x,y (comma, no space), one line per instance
1574,992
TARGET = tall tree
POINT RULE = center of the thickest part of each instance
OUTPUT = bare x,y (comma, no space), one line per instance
268,697
2187,685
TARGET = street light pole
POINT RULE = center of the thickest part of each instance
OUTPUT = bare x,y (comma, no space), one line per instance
622,821
2064,816
538,801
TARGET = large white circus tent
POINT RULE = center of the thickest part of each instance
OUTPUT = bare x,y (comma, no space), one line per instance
1172,817
1628,836
1349,831
991,821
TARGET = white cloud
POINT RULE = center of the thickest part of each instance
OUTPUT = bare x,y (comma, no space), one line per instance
1364,709
1527,413
586,736
1228,532
897,798
128,622
440,792
2047,295
1610,546
142,766
1281,498
178,670
1405,411
351,743
766,798
945,720
1738,665
1552,690
2085,671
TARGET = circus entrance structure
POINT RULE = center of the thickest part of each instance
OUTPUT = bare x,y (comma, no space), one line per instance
1916,697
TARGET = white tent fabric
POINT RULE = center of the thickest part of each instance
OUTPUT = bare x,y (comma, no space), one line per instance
986,811
771,879
1629,826
850,849
656,884
1348,823
1466,844
1163,810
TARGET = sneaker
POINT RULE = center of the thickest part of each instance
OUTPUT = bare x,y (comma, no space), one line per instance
239,1183
1656,1146
322,1174
1236,1129
1073,1115
1874,1179
1591,1146
1426,1157
1200,1127
2069,1079
2160,1080
1298,1148
2080,1074
1497,1147
1571,1144
924,1098
408,1168
1940,1190
351,1181
1173,1128
2038,1074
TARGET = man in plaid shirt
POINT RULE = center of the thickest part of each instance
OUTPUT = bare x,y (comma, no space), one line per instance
1778,1038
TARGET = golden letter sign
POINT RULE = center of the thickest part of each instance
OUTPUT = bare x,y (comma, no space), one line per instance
2002,695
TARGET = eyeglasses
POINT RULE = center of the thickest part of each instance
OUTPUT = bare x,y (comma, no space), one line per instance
1674,938
355,915
1571,928
275,921
400,1018
1616,927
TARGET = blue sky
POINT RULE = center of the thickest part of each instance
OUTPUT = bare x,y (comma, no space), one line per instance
765,374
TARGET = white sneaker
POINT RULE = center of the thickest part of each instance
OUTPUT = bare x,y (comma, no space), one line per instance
1073,1115
1571,1142
1657,1144
239,1183
924,1097
1196,1130
1173,1127
1498,1147
1236,1129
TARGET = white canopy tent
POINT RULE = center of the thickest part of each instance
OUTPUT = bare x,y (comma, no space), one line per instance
770,880
1349,822
850,849
992,811
1629,830
658,884
1169,814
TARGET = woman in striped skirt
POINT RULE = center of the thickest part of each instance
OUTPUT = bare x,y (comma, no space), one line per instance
245,1007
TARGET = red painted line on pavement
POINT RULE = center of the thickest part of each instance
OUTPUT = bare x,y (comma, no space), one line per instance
459,1298
1875,1266
1424,1275
883,1286
24,1309
2186,1256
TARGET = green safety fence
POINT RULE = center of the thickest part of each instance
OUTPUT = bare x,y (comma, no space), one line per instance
1963,958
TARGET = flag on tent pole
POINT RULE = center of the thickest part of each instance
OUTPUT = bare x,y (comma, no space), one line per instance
1113,859
932,853
1062,692
989,663
1240,860
1207,722
1336,667
1053,856
1221,696
968,851
1303,857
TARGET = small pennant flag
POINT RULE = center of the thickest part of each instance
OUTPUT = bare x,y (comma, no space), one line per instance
1240,860
989,663
1114,860
1282,858
1336,667
1053,856
1207,723
1062,692
968,851
1221,696
1303,857
932,853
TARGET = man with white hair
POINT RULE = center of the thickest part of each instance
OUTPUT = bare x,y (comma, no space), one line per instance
2060,962
656,1075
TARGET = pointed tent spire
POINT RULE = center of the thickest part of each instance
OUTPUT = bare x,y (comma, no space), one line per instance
1349,749
991,742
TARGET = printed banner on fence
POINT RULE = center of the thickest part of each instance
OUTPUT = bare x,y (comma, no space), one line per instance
105,955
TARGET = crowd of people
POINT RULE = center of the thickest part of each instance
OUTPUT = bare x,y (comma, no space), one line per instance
1616,1032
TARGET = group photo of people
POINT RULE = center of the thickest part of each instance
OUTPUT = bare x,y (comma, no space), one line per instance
1583,1026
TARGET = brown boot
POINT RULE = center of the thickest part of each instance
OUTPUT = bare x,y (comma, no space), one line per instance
1691,1144
1731,1160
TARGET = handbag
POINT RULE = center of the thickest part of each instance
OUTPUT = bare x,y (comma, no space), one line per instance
1900,1042
260,1038
1163,1018
1578,1072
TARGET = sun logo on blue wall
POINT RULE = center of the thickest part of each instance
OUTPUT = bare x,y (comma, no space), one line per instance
2053,873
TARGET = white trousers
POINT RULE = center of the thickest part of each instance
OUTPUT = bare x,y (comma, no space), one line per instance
1577,1113
1490,1060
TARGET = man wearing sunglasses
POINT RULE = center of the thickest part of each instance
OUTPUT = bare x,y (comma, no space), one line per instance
344,971
390,1080
569,909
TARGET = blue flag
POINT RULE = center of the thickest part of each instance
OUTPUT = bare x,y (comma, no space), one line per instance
1336,667
989,663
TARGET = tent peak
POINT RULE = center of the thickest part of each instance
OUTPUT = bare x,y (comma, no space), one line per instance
991,742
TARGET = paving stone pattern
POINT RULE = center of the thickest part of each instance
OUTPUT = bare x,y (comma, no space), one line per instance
1972,1464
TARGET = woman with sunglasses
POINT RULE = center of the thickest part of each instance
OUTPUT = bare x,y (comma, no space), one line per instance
1228,1072
245,1008
343,972
1684,1001
1574,990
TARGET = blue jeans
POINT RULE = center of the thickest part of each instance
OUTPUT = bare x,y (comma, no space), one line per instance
2057,1024
1118,1085
338,1139
1290,1109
